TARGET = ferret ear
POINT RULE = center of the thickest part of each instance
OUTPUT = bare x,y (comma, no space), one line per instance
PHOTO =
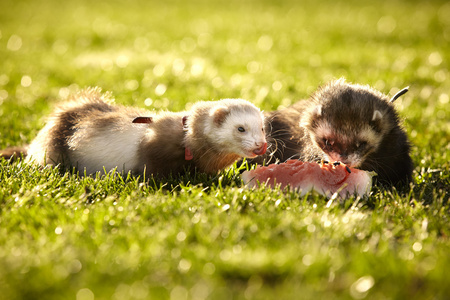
219,114
377,115
317,110
145,120
307,120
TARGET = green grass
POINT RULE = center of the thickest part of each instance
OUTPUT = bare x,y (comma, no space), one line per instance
199,237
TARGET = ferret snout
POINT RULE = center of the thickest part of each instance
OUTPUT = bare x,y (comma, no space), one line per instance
261,148
352,160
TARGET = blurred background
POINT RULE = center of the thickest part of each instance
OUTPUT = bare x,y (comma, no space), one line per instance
169,54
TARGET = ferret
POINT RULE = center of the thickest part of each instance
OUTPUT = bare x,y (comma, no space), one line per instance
350,123
93,135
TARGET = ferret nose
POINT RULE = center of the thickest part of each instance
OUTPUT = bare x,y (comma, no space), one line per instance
262,147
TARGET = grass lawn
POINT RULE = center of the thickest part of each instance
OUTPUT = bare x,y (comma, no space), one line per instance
199,237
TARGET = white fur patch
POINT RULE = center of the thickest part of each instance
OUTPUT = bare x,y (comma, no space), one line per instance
377,115
367,134
252,138
353,160
324,130
37,152
106,148
317,110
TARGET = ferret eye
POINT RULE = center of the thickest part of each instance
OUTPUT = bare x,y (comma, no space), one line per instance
241,129
361,145
327,142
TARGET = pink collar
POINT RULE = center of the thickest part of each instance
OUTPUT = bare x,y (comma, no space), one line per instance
187,152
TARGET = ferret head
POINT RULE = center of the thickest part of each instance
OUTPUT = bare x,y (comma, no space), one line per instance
237,127
348,122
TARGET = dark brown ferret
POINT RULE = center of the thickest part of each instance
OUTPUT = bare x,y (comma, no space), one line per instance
351,123
93,135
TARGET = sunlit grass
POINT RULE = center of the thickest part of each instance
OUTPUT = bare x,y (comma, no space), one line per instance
115,236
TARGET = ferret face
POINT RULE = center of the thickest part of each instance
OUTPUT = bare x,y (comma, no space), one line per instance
348,123
349,146
239,129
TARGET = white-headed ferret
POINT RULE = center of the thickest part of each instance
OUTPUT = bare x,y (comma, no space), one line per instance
90,134
354,124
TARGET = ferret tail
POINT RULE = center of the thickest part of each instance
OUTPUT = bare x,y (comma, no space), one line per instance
14,153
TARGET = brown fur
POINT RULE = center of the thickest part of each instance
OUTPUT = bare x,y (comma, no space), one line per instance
13,153
163,152
283,135
220,115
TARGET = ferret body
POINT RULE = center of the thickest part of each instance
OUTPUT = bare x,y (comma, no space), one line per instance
354,124
92,135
